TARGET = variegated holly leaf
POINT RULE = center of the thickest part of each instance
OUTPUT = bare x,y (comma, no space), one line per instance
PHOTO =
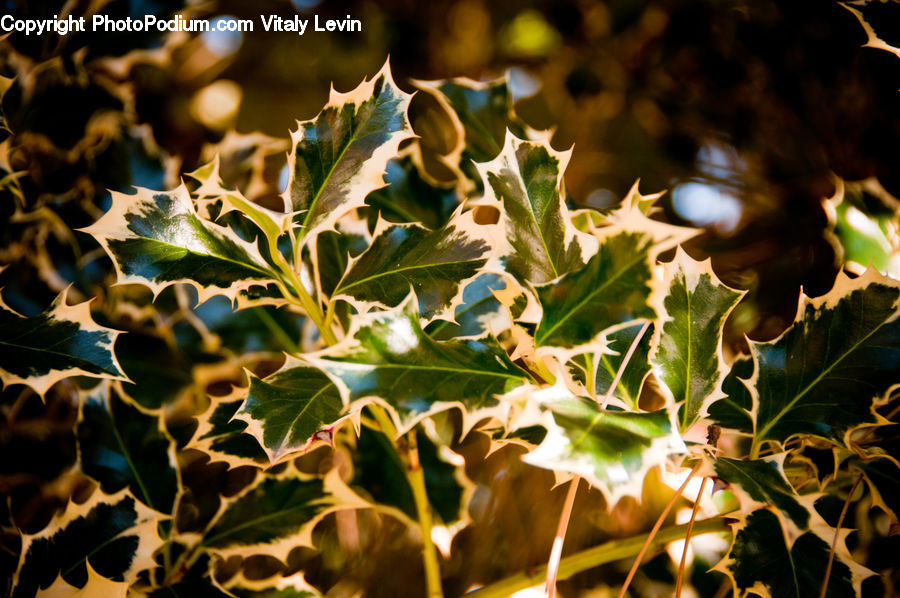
763,562
380,475
285,410
612,450
389,358
616,285
156,238
119,446
735,409
607,365
864,11
61,342
821,376
223,437
340,156
96,585
762,482
196,582
294,586
113,534
410,198
276,514
479,314
407,256
883,478
481,113
613,288
687,354
527,179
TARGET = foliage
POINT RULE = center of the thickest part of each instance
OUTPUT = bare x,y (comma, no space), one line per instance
590,342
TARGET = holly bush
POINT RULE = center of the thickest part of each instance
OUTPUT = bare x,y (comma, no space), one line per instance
370,372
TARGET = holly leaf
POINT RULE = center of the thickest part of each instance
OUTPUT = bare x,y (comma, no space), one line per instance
410,198
387,357
874,39
96,585
762,561
275,514
481,113
527,179
380,475
822,374
687,355
612,450
61,342
285,410
339,157
479,314
761,482
735,410
628,390
156,238
223,437
294,586
882,475
114,535
119,446
403,256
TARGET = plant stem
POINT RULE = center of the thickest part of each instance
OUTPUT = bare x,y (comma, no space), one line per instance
687,539
598,555
837,531
656,526
416,478
556,552
286,341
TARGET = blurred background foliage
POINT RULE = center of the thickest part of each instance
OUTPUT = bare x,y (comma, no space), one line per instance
750,112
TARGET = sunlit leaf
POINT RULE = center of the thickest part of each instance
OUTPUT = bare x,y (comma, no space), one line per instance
432,263
762,482
688,347
527,179
409,198
114,534
156,238
286,409
479,314
612,450
340,156
119,446
842,351
61,342
628,390
389,357
225,438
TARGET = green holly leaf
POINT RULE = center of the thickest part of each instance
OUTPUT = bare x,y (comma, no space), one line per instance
275,514
822,374
762,482
339,157
612,450
119,446
763,562
527,179
156,238
616,284
479,314
224,438
410,198
286,409
115,535
628,390
61,342
403,256
687,354
735,409
389,358
380,475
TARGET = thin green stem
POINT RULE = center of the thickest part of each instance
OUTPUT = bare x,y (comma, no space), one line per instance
283,337
416,477
598,555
